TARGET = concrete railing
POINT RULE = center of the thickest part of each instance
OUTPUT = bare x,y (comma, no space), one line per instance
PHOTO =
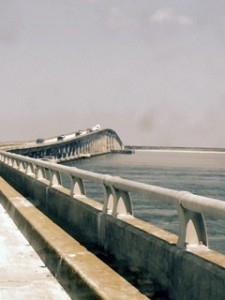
190,208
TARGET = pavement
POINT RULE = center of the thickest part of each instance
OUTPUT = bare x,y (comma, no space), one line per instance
23,274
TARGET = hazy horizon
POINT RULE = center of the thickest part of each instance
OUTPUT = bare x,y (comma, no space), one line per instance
153,71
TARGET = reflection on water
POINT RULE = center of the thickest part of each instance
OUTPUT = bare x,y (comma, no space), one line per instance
202,173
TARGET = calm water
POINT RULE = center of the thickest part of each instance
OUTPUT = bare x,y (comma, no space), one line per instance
201,173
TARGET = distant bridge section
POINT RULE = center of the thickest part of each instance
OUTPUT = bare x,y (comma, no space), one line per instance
73,146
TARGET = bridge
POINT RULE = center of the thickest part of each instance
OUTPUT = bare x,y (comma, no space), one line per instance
71,146
75,235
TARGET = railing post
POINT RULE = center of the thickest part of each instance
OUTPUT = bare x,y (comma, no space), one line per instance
22,166
15,164
40,173
55,178
123,203
117,202
77,186
10,162
108,202
192,226
30,169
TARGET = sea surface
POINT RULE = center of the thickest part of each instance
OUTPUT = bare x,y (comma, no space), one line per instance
199,172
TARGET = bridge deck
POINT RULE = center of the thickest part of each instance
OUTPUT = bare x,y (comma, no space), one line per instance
23,274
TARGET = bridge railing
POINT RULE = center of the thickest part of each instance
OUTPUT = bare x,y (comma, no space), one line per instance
191,208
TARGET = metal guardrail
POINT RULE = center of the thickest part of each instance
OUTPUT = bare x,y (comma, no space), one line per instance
191,208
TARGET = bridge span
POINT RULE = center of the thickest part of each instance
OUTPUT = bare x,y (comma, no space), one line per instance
66,227
71,146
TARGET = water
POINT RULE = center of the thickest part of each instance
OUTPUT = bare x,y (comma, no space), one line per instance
202,173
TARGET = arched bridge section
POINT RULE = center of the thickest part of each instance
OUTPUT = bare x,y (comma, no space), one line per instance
88,144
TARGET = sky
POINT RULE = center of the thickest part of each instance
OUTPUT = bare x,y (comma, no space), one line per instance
153,71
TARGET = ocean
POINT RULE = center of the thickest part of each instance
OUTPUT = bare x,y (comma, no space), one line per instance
199,172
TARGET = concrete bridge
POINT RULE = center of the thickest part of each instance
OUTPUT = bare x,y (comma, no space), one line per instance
69,230
72,146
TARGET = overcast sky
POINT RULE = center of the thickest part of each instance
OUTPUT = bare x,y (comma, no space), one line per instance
154,71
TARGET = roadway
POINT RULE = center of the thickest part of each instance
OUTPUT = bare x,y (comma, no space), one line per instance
23,274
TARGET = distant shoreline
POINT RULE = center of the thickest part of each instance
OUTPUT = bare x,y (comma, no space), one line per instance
164,148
